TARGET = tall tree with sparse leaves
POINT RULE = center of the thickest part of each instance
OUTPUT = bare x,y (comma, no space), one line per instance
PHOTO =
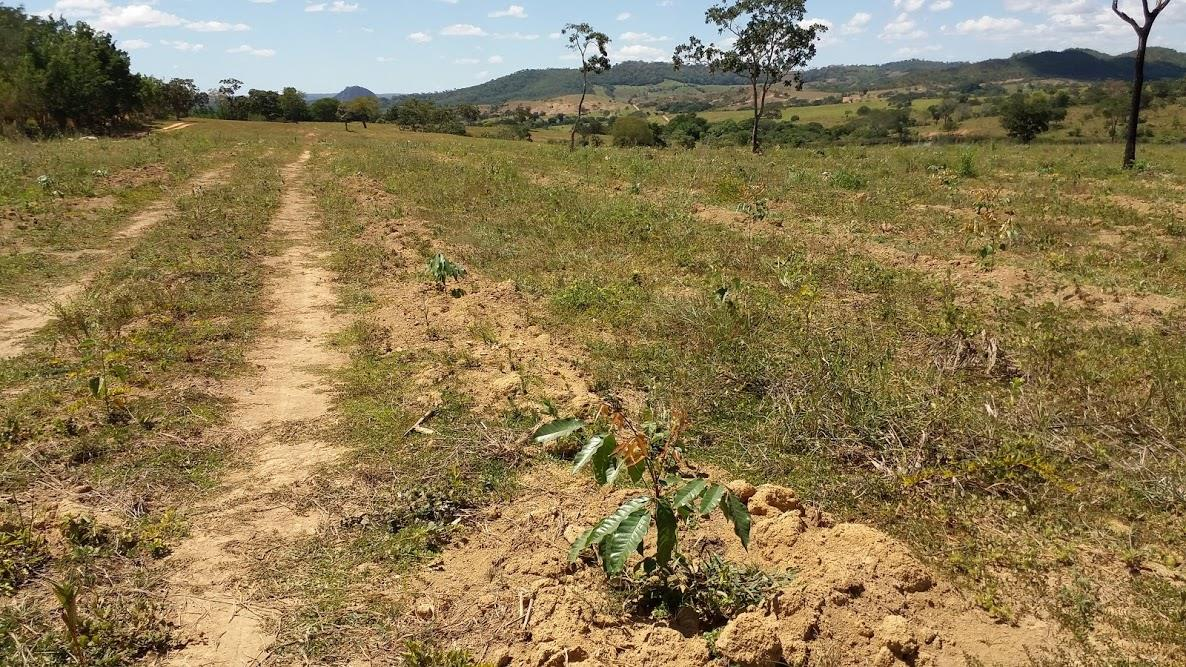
590,45
1151,11
770,43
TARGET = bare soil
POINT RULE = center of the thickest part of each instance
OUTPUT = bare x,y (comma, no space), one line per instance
276,409
856,597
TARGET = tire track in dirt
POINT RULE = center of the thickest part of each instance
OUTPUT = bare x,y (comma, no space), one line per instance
276,408
19,320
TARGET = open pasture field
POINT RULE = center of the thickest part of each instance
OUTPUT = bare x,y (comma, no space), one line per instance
258,416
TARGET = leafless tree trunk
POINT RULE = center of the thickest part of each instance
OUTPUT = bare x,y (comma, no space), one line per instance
572,145
1143,31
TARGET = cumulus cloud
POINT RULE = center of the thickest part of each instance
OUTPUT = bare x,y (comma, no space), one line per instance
247,49
463,30
111,17
857,24
903,27
337,7
514,12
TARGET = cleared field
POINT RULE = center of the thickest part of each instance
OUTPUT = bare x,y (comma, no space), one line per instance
973,354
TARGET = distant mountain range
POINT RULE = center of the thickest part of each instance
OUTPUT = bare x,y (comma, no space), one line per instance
1072,64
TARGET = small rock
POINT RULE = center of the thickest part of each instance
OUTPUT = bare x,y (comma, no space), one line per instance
572,533
895,634
885,658
769,500
742,489
82,489
425,610
751,640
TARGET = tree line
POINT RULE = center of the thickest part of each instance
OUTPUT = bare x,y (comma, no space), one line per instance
55,76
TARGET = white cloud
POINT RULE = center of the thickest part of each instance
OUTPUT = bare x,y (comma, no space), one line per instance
183,46
641,38
857,24
111,19
941,5
463,30
514,12
517,36
641,52
217,26
420,37
909,5
134,44
624,16
902,28
337,7
495,60
987,24
252,51
108,17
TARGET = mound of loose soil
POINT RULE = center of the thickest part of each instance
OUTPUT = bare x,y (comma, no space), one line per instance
857,596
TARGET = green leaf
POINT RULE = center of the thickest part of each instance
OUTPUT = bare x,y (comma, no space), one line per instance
636,471
558,429
98,386
602,459
587,452
612,475
609,524
712,499
689,493
626,540
737,513
666,524
580,545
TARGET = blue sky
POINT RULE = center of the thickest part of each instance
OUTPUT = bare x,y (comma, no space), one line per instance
394,46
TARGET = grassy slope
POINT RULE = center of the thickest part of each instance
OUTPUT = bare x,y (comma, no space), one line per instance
828,369
1052,480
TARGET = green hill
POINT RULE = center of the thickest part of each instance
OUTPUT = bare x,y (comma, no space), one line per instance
542,84
1074,64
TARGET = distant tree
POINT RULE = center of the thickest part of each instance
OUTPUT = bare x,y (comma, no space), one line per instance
230,105
945,111
180,95
426,116
469,113
360,109
325,110
264,104
152,97
1143,30
293,107
1024,116
229,87
1112,109
590,45
770,44
685,130
629,131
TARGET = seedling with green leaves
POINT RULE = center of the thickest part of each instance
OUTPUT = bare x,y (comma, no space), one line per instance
441,270
648,453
